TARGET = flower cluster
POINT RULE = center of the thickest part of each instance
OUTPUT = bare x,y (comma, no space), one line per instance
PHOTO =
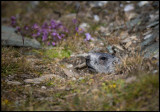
49,33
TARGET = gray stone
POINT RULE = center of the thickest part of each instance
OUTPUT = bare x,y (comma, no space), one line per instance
84,26
69,65
109,48
68,16
155,71
97,3
13,82
150,40
151,50
40,79
142,3
96,18
147,36
131,79
153,24
10,38
128,7
43,87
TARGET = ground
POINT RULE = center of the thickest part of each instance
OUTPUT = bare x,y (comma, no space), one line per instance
45,79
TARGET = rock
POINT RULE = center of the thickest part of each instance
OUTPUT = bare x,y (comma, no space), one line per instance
153,24
121,5
10,38
128,1
69,65
102,29
46,99
69,73
43,87
73,78
28,85
109,48
151,50
123,35
155,71
147,36
11,77
81,78
130,15
154,17
84,26
128,7
142,3
131,79
132,23
118,47
128,44
96,18
97,3
40,79
126,40
69,16
13,82
33,5
151,39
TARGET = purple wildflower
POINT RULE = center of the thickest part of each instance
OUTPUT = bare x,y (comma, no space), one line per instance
44,36
18,28
48,43
65,29
53,34
13,21
38,33
88,37
13,18
74,21
53,43
59,36
26,27
53,24
34,35
62,35
79,30
76,29
45,26
35,26
59,25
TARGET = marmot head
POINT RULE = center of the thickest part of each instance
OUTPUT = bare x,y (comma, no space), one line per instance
101,62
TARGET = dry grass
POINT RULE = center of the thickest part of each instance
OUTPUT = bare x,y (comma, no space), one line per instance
13,62
135,62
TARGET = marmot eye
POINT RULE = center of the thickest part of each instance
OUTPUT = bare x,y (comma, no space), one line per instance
103,58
